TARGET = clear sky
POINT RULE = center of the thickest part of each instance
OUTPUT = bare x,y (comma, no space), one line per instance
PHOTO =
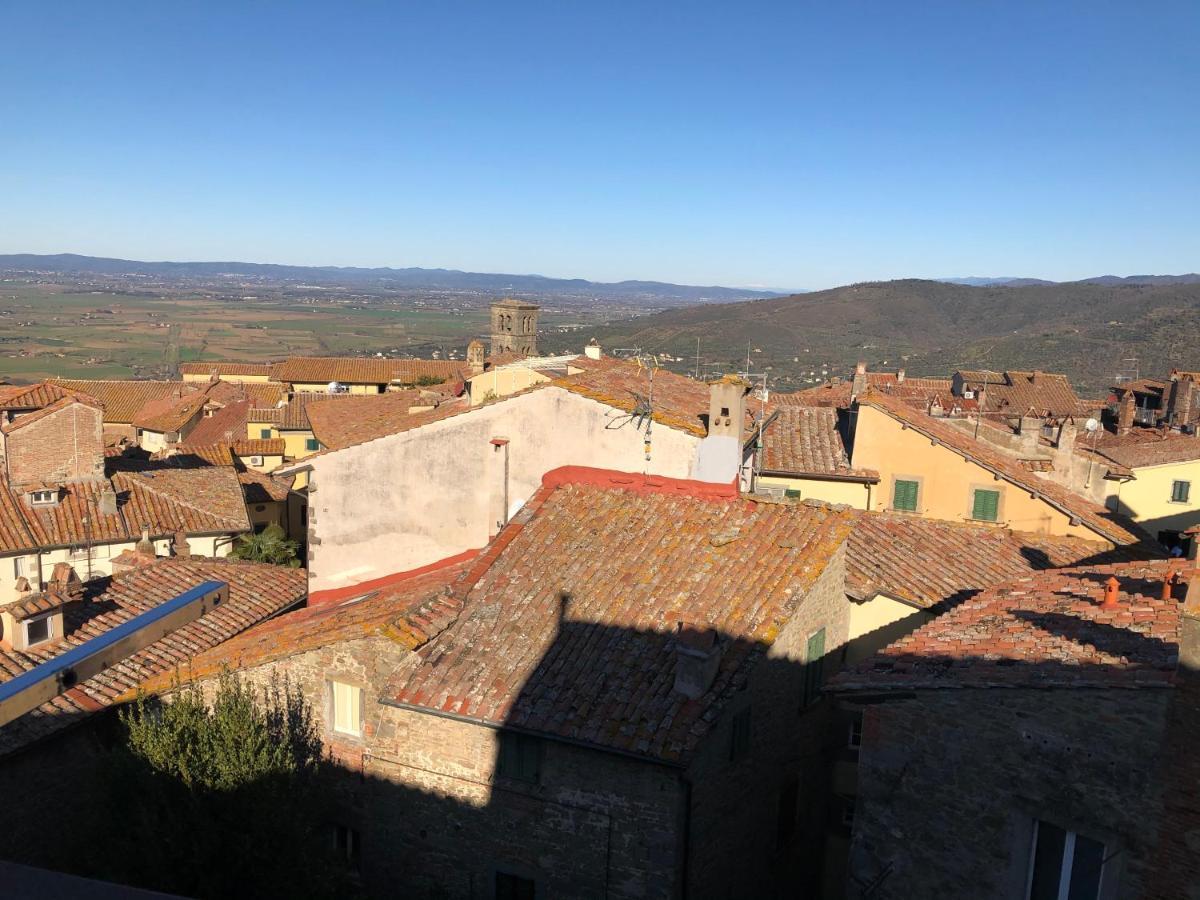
793,144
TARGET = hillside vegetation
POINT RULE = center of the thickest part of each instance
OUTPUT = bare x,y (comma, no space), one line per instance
1083,329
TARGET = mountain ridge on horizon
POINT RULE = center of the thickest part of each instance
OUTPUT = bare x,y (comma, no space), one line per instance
414,277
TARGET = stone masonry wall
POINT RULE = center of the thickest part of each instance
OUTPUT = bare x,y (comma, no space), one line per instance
736,804
951,782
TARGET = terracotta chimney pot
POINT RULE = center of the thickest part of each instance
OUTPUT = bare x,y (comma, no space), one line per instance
1111,588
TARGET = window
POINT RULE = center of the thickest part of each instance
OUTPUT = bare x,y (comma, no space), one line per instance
814,664
312,444
985,505
43,498
1180,491
264,433
520,757
789,801
904,495
79,552
1065,865
854,739
794,493
847,815
37,631
514,887
346,708
739,744
346,842
20,567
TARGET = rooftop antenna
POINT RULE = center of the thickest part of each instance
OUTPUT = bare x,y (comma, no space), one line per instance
643,406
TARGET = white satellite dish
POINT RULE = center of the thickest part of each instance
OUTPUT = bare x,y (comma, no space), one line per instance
1091,425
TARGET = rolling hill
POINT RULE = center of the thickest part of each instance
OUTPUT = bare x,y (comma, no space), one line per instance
1086,329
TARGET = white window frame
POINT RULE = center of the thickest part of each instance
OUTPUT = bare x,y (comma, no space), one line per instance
351,725
29,641
1068,860
43,498
20,567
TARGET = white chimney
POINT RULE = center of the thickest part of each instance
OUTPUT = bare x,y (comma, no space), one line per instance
719,459
592,350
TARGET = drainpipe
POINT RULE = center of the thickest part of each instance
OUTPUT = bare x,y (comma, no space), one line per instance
498,443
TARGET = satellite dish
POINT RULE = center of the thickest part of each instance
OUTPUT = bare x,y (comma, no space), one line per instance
1091,425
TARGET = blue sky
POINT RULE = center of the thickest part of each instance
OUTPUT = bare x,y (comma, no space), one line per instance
790,145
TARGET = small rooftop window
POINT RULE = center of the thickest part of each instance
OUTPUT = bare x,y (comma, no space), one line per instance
43,498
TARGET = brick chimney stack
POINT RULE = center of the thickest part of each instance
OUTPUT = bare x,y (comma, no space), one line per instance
859,384
1125,413
697,658
899,376
475,356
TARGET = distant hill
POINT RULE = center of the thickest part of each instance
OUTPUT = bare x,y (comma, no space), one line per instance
411,278
1085,329
1190,278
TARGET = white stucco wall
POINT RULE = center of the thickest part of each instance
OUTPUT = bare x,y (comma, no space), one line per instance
410,499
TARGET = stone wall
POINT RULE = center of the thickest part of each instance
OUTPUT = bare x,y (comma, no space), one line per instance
951,782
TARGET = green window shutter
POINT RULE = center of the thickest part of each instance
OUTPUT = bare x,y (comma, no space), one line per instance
814,664
792,492
312,444
986,506
264,433
1180,491
905,496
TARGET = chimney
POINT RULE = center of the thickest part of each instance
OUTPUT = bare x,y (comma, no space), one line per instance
719,458
592,350
1031,433
144,544
697,658
1067,432
1125,413
859,384
180,546
65,582
1111,588
1180,398
475,359
899,376
108,502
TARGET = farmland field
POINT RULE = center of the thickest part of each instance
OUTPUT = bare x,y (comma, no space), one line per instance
50,330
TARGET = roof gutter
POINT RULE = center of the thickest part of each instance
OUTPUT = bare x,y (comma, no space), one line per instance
821,476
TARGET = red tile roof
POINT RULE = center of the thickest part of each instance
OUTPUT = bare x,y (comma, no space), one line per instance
168,499
352,370
392,612
31,417
224,425
358,419
256,592
928,561
225,368
123,400
1145,447
37,396
678,402
569,618
838,394
1102,521
807,441
1034,393
1048,629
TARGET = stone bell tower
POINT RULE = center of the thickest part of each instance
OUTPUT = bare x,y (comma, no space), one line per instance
514,327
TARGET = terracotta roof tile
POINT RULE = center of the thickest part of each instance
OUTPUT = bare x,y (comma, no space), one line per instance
1021,393
927,561
256,592
390,611
806,440
1093,516
358,419
123,400
352,370
631,563
679,402
1145,447
1047,629
224,368
38,396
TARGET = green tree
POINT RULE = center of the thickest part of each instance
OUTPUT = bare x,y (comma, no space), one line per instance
270,545
226,799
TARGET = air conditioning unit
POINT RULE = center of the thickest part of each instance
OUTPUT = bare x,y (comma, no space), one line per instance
771,490
254,460
968,395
